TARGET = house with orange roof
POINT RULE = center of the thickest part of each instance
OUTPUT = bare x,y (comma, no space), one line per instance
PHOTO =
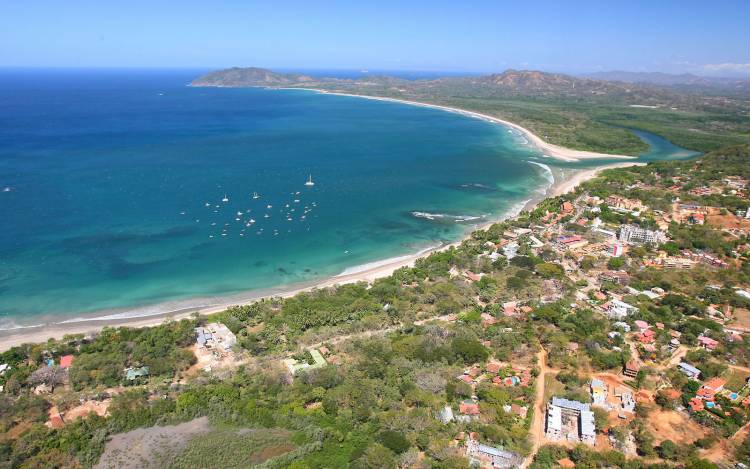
487,319
494,367
696,405
472,276
66,361
710,388
466,379
468,408
510,308
646,337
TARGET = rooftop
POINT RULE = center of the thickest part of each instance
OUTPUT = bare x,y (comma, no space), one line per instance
569,404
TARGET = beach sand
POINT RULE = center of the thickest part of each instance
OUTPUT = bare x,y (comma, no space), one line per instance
578,177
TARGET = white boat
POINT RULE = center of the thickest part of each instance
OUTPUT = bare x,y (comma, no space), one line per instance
225,199
269,206
251,221
310,181
255,195
266,215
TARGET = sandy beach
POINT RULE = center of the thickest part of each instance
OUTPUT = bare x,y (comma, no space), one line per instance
564,182
553,151
578,177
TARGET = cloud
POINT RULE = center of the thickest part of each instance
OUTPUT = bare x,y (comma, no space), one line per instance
728,67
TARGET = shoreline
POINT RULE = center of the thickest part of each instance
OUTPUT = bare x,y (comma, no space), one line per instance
564,181
547,149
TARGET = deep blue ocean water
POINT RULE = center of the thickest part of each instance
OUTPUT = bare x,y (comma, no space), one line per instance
112,186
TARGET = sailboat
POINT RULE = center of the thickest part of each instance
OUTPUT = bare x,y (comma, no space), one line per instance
225,199
310,181
255,195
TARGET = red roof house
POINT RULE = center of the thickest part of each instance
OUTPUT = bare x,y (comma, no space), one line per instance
66,361
710,388
707,342
469,408
494,367
696,404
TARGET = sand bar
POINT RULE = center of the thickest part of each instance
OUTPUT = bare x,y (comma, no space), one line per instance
553,151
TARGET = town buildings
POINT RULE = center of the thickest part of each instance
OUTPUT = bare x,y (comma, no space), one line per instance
571,420
215,335
638,235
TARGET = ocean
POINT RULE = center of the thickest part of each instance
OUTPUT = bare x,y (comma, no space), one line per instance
126,192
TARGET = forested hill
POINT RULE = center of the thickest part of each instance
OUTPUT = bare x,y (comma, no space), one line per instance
579,113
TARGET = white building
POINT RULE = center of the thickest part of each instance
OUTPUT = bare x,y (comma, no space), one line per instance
570,419
636,234
510,250
617,309
587,428
554,422
446,414
215,335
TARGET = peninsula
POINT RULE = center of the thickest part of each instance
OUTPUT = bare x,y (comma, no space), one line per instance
571,116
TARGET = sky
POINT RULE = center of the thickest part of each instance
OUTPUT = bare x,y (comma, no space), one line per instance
674,36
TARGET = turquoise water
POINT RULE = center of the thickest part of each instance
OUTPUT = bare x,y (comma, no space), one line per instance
113,185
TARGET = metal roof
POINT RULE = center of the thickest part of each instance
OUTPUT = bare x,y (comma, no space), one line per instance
572,405
690,368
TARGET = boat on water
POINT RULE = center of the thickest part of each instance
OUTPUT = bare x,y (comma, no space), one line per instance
309,181
255,195
225,199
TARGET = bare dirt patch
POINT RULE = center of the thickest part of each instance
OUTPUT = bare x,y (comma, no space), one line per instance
730,220
137,449
741,319
672,425
97,407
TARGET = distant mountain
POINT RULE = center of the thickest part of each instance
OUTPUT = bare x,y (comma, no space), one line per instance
251,76
510,81
651,89
668,79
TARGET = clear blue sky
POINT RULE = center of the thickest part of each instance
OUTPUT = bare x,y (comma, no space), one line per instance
479,36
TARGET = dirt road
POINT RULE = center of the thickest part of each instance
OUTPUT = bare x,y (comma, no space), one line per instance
537,425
